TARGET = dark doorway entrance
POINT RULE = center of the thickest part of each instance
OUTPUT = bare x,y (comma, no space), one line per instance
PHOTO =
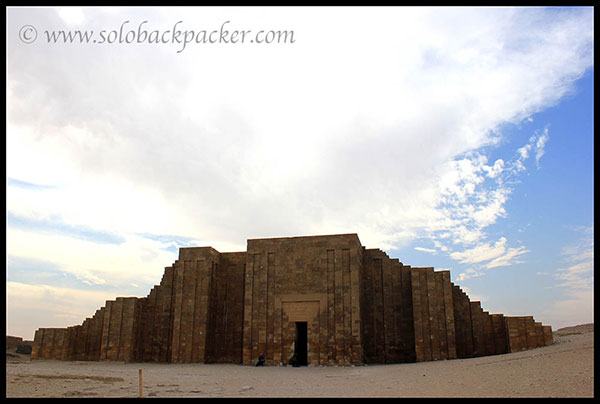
301,344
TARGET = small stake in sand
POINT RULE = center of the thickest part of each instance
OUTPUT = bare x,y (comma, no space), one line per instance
140,383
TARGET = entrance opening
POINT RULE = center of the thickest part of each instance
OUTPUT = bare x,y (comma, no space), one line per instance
301,344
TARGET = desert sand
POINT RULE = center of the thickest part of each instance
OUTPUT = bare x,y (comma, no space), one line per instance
563,369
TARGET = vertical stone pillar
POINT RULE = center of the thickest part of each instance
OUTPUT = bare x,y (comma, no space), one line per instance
408,326
163,318
477,323
395,308
81,345
146,329
37,344
248,311
449,315
129,317
441,315
368,308
500,335
47,335
523,333
463,324
347,307
356,267
201,303
432,299
539,334
178,279
417,316
488,333
547,334
512,330
530,332
258,309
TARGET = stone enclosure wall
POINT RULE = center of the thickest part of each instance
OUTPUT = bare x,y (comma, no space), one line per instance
357,306
303,279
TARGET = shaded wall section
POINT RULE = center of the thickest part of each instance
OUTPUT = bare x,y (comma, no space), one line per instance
387,309
226,316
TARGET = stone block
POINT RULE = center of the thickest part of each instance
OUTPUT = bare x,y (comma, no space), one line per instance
499,334
463,324
547,335
478,329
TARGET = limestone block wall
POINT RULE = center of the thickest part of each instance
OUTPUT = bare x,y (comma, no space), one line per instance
13,342
492,334
149,330
175,317
154,334
480,336
387,309
359,306
480,333
118,330
433,312
524,333
547,330
46,343
81,342
499,334
463,323
169,325
303,279
227,311
192,288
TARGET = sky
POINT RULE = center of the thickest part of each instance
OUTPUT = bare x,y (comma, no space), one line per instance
458,138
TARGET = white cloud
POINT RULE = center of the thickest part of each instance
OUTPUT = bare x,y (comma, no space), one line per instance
482,252
285,141
136,258
508,259
497,255
524,152
31,306
372,122
72,15
428,250
474,195
539,146
536,144
469,273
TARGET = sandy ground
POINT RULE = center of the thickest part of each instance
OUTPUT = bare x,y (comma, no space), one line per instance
564,369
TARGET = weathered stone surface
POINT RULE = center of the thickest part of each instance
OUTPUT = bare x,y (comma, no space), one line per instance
24,349
338,301
547,334
463,324
499,334
13,342
306,279
523,333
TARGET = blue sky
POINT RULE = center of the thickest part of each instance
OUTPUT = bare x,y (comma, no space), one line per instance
550,211
456,138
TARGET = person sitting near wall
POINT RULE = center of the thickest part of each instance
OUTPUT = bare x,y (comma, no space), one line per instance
261,360
293,361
